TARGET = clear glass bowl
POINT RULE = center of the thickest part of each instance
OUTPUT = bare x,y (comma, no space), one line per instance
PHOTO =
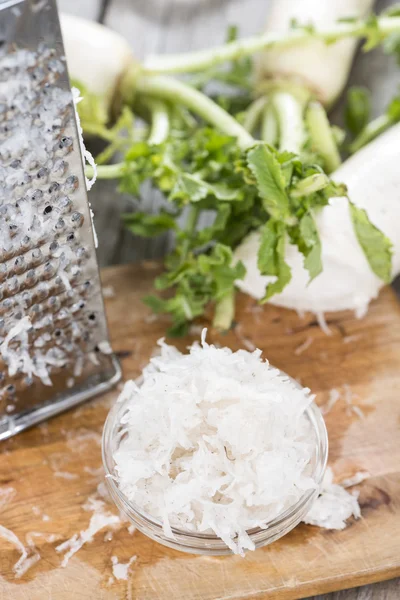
200,543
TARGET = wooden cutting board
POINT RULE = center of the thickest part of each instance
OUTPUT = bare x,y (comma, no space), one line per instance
51,470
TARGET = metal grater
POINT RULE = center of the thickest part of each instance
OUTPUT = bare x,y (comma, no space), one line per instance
54,350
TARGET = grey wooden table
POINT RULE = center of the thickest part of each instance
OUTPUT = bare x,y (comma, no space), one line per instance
156,26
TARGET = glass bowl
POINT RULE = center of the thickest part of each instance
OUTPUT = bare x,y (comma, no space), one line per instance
210,544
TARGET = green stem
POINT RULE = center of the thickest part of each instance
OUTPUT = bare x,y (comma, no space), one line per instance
321,136
310,185
106,171
253,114
105,156
370,132
224,311
99,131
159,122
289,112
269,125
190,227
172,90
204,59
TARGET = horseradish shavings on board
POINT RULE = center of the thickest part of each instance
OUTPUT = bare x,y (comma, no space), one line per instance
334,505
214,441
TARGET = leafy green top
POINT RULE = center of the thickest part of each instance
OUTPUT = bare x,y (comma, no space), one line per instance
201,170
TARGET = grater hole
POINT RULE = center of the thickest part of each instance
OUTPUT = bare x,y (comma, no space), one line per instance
65,204
60,224
71,183
48,209
77,219
65,142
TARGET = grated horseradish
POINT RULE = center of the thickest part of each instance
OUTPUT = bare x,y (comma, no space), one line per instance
214,441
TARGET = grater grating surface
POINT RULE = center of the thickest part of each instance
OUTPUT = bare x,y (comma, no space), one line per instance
54,349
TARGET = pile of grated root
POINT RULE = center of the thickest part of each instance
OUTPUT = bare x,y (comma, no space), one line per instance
214,441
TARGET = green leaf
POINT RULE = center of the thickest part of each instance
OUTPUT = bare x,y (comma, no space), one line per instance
188,189
306,237
147,225
393,110
271,257
219,264
373,34
92,111
376,246
392,46
191,188
138,150
357,110
271,182
392,11
155,303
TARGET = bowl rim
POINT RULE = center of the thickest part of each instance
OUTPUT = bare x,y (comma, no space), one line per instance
322,446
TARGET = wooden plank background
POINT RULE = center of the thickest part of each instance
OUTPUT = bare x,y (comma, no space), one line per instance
156,26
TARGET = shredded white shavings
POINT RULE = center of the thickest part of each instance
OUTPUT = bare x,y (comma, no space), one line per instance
23,565
22,358
105,347
322,323
38,513
93,358
121,570
103,492
334,506
18,359
26,561
86,157
351,338
65,475
48,537
348,398
356,479
303,347
334,396
6,495
78,367
100,519
95,472
108,291
214,441
194,330
82,439
245,341
131,529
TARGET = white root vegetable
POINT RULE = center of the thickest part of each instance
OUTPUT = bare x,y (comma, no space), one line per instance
96,56
321,68
347,281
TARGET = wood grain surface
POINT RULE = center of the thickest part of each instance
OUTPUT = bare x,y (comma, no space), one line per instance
55,468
